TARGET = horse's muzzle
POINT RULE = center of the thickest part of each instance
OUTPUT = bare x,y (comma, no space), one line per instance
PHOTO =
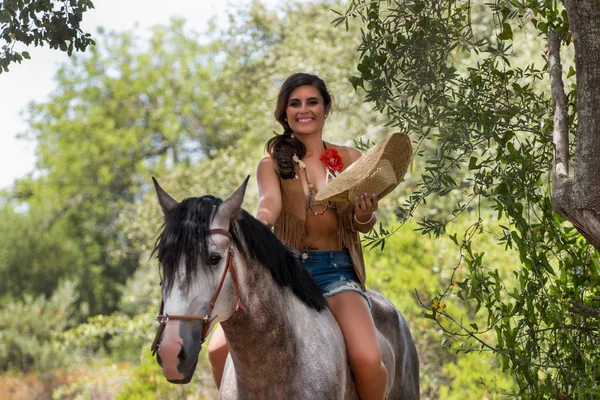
186,379
188,371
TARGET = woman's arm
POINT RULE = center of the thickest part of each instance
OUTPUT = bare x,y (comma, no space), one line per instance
365,205
269,192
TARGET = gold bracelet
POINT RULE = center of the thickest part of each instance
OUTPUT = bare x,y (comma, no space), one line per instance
364,223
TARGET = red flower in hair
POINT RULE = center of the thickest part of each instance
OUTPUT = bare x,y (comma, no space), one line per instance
332,159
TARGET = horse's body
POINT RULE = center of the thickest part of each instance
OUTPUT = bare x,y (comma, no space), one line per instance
288,345
300,354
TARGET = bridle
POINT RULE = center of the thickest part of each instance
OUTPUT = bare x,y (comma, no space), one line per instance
163,317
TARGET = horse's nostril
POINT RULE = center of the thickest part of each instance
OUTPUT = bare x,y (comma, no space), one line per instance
181,355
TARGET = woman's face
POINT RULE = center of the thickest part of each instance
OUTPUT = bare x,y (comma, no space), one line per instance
306,111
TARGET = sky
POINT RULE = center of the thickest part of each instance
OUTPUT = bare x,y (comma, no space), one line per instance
33,80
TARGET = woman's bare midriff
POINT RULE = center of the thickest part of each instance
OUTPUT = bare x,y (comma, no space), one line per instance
321,231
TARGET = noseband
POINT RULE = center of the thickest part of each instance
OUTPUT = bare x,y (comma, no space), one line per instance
163,317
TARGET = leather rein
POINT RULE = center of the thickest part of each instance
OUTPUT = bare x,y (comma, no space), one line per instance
163,317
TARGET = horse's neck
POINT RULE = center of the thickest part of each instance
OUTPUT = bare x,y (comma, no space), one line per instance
283,349
262,343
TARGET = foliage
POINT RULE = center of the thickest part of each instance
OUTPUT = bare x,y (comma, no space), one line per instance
477,97
32,260
410,272
36,22
90,381
149,383
122,334
27,330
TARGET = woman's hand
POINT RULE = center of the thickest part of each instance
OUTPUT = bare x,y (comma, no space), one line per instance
364,207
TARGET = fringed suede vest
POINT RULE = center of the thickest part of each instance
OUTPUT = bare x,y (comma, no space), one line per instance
290,227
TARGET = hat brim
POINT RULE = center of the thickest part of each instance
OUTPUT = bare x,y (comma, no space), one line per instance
379,170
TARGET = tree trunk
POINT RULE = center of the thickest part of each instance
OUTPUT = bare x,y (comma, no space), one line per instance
577,198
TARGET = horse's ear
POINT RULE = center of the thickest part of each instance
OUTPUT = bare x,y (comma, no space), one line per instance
232,206
165,200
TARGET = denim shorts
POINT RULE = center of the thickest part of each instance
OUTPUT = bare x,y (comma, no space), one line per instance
333,272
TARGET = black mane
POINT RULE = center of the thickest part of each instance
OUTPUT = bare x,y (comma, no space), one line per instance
185,234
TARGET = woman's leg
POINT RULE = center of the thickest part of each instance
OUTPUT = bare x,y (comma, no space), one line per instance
352,313
217,354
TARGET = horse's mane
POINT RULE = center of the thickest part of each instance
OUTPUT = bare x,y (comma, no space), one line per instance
185,236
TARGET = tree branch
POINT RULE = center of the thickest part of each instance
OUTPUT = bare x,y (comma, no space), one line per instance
579,308
560,135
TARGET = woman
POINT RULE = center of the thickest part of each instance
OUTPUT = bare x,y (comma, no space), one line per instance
300,164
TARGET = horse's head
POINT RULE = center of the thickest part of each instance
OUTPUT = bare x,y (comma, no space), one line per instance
195,252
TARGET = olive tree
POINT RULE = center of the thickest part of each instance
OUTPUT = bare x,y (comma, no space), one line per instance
482,84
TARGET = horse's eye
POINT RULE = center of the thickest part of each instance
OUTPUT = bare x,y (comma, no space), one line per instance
214,259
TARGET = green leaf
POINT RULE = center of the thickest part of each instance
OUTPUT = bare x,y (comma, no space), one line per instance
4,16
507,33
356,82
543,27
473,163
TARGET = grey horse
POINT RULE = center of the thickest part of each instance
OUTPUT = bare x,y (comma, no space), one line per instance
220,265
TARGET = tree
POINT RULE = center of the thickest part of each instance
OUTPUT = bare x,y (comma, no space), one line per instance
36,22
577,197
438,71
119,115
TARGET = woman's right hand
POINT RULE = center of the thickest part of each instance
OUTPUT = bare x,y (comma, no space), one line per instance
365,206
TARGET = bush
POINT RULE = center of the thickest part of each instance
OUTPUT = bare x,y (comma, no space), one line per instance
149,383
28,331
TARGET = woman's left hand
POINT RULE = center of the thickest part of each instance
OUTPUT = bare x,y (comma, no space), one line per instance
364,207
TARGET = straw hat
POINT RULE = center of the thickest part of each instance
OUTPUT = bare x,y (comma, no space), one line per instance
379,170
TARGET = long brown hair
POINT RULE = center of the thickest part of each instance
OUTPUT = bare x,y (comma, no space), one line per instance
283,147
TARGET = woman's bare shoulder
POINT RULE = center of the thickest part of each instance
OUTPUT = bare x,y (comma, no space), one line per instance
267,164
267,161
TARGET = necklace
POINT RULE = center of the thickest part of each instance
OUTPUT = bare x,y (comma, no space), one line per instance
311,187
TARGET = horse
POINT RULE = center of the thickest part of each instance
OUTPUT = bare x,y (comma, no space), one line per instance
221,265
